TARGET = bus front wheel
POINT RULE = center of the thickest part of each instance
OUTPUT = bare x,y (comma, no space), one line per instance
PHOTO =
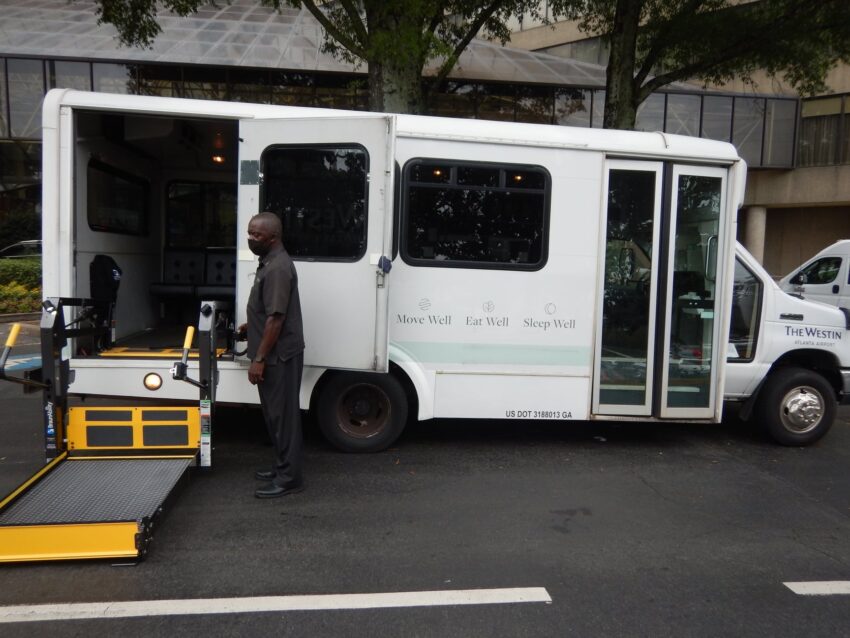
797,406
361,411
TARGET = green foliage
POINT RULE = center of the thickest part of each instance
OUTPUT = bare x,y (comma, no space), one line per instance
25,271
714,41
17,298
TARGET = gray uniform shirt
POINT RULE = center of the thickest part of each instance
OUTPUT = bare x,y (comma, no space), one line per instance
275,291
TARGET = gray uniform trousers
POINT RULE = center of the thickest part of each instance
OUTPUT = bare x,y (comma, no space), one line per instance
279,391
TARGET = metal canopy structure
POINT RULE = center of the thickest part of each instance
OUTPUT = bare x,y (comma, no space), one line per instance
244,33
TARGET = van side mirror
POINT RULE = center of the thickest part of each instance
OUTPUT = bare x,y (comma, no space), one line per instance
798,279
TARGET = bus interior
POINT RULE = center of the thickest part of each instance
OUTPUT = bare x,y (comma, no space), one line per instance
155,212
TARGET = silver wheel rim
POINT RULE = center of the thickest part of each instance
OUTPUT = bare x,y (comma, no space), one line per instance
802,409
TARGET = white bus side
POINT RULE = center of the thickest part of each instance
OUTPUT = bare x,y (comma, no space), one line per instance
448,268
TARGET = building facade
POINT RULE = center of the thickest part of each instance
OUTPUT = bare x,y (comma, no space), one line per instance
243,51
791,211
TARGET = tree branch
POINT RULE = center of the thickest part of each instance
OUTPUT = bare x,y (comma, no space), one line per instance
662,40
356,20
450,62
333,30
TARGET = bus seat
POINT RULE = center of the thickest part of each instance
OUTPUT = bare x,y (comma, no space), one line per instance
220,279
182,272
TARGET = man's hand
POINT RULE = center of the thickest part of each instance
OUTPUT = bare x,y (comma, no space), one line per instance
255,372
242,332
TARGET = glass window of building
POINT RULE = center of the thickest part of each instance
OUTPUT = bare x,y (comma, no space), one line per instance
572,107
202,83
717,117
683,114
250,86
820,131
114,78
534,104
458,100
4,104
496,102
69,75
20,196
650,114
164,81
294,89
598,110
748,128
26,90
780,120
474,215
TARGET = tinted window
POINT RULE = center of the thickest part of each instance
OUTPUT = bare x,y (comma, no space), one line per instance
822,271
117,201
463,214
320,194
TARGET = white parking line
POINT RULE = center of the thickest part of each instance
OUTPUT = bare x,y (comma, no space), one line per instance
821,588
189,607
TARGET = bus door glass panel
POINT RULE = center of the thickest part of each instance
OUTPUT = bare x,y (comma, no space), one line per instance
626,342
689,380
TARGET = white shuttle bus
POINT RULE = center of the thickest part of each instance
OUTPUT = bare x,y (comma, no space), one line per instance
448,267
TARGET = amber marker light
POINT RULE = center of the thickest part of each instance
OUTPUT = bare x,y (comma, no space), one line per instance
153,381
218,159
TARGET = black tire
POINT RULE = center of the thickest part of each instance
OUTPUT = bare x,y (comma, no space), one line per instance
796,406
361,411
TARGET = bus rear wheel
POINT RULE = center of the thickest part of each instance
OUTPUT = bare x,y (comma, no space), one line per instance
362,412
797,406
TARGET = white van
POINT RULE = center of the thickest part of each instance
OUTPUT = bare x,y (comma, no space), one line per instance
448,268
824,277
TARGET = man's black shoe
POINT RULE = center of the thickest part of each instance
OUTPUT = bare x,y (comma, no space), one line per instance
264,475
272,491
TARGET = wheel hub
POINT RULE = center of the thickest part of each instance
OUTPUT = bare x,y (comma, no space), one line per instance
802,409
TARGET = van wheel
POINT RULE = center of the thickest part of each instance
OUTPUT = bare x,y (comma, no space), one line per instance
362,412
797,406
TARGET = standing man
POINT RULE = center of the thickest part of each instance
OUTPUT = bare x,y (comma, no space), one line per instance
276,350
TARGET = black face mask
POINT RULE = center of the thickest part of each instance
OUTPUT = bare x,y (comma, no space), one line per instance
258,248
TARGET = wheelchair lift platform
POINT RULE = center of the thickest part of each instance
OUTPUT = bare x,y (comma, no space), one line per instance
112,472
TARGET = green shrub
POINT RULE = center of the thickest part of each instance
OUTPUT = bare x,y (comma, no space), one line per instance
25,271
17,298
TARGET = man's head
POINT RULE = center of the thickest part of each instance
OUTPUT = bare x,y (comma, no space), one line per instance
264,233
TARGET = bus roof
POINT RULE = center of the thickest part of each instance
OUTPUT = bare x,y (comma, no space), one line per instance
610,141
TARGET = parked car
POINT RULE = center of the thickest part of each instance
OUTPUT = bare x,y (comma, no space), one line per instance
824,277
26,248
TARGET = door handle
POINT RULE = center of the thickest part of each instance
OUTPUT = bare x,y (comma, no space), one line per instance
835,289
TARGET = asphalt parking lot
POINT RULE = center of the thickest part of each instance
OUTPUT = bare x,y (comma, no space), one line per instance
627,530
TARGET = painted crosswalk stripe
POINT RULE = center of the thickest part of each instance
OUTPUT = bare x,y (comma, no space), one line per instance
821,588
189,607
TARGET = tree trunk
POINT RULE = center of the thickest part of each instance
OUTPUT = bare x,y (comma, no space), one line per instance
620,90
396,87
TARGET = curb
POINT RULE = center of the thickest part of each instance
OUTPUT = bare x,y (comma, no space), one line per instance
19,316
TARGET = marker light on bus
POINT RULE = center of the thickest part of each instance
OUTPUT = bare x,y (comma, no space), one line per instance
153,381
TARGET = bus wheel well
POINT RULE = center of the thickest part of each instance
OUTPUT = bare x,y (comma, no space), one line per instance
359,411
824,363
395,370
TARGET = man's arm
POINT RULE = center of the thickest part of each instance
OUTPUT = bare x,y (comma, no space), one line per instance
271,332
